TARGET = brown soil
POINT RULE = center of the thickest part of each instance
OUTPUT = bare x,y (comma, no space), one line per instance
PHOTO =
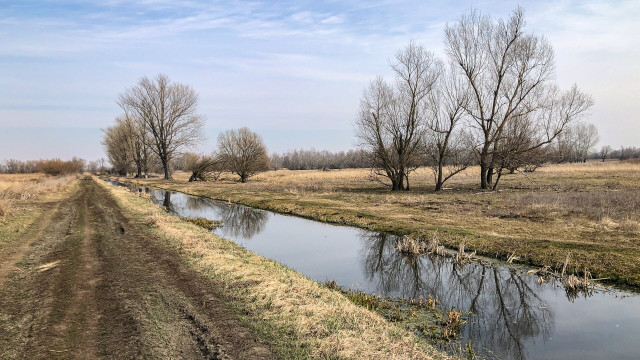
86,282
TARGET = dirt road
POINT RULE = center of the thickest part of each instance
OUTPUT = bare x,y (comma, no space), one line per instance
86,282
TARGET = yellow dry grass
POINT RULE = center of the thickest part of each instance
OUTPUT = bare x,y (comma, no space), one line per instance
16,190
322,321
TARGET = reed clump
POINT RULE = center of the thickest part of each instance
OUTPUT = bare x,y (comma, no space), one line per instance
420,315
205,223
411,246
452,323
462,256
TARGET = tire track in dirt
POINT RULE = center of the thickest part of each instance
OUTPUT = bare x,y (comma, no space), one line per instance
22,246
94,284
202,324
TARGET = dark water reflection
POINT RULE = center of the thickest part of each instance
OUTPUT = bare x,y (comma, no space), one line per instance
512,315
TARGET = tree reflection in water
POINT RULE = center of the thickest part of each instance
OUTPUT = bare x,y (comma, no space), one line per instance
506,310
237,220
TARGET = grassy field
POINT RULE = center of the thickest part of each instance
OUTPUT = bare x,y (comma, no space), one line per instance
23,198
590,210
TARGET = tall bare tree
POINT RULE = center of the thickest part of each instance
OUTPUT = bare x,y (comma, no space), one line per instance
448,150
509,78
137,142
604,152
587,137
391,123
243,152
169,113
115,141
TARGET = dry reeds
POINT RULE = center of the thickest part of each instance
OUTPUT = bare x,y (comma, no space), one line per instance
411,246
434,246
204,223
452,323
18,189
462,256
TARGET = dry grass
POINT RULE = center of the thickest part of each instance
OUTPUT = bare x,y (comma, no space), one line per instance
591,209
20,189
295,311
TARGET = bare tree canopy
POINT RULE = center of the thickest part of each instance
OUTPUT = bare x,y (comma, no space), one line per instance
508,75
243,152
115,141
391,122
448,150
169,113
137,142
203,167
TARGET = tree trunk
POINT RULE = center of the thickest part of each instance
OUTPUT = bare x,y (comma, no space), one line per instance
499,174
165,167
439,180
484,167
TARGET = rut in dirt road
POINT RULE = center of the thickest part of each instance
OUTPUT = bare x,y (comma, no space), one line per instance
94,285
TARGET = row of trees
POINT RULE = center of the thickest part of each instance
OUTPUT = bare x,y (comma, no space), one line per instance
241,152
608,152
320,160
160,122
493,103
53,167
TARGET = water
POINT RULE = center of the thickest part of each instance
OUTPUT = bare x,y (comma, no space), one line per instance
513,316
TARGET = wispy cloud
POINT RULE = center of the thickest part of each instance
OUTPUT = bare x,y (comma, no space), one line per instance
283,64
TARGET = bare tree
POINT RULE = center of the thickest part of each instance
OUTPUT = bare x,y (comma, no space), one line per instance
243,152
101,162
138,140
448,150
508,75
391,124
587,137
203,167
169,113
604,152
116,146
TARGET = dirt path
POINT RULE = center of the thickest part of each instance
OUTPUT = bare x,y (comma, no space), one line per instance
92,284
10,259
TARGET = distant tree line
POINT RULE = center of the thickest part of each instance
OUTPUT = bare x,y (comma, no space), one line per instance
623,153
318,160
52,167
493,103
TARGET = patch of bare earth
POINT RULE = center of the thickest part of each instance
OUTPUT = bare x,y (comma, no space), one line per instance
91,284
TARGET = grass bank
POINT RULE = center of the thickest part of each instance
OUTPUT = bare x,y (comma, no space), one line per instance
590,210
298,317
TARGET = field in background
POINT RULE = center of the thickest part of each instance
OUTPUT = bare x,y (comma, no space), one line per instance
23,197
590,210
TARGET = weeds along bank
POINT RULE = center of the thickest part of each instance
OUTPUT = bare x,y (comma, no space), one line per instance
590,210
298,317
23,198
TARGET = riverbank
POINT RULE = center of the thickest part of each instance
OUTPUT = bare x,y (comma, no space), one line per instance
298,317
590,210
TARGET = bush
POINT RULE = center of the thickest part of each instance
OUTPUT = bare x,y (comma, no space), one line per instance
57,167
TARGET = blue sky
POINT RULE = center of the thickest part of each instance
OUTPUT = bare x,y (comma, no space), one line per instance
293,71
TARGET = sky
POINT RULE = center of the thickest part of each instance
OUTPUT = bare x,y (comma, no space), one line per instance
293,71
